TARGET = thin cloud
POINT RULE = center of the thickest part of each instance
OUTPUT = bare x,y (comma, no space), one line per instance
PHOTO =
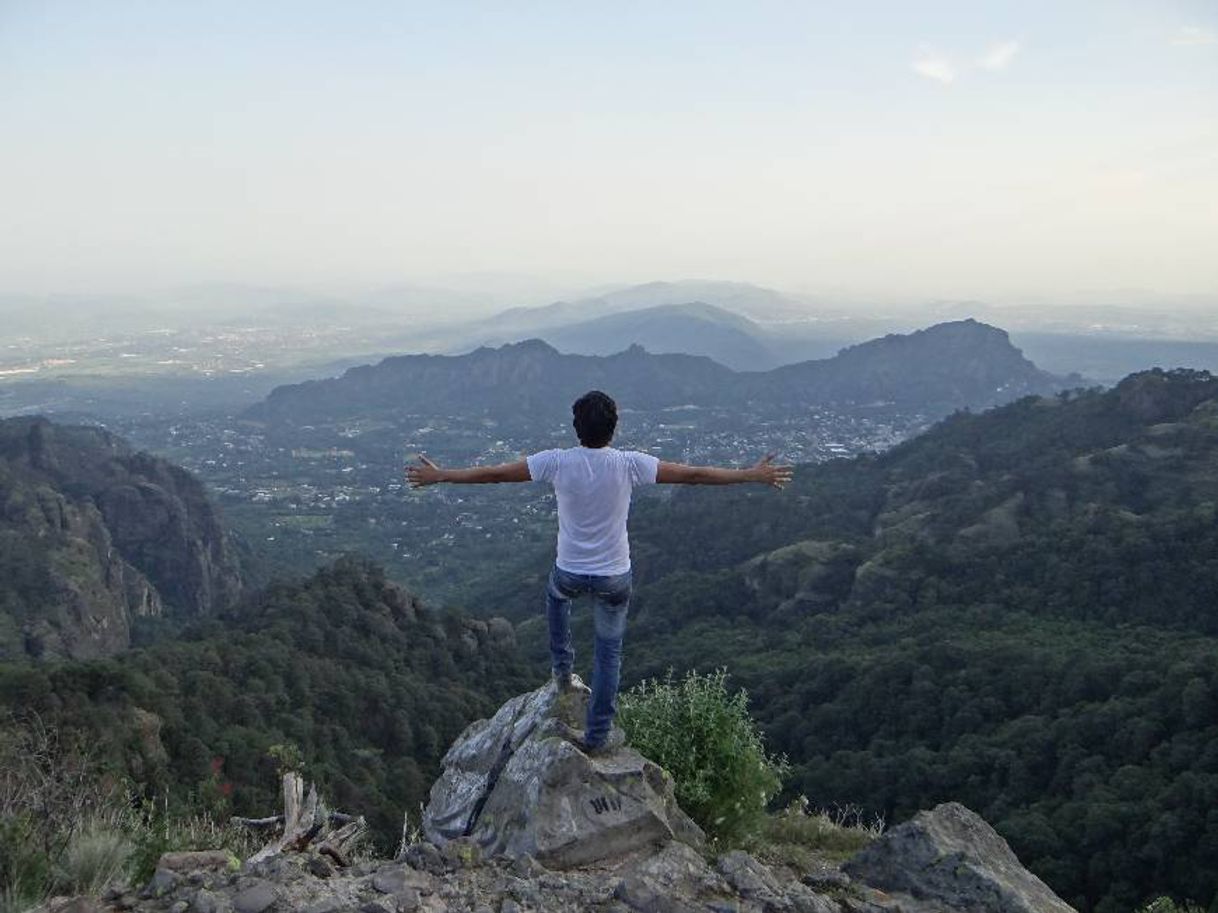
1195,35
998,56
932,65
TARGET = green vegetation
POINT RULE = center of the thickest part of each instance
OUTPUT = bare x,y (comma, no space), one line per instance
68,825
704,737
367,684
1014,611
1167,905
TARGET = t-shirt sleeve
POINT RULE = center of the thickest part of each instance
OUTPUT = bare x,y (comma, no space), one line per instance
643,467
543,465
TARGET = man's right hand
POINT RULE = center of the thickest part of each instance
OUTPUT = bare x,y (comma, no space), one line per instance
425,472
765,472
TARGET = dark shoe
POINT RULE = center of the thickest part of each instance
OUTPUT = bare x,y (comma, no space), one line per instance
615,740
568,684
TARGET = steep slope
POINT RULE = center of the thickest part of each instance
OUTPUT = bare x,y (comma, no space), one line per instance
93,535
945,367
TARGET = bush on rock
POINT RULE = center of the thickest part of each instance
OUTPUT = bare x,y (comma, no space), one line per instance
706,739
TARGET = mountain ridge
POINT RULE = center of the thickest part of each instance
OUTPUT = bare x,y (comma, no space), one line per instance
534,376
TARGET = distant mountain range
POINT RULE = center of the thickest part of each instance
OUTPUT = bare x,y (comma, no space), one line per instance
950,366
752,301
94,535
692,329
745,327
749,328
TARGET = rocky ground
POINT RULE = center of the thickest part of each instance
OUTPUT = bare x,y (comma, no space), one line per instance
522,821
923,863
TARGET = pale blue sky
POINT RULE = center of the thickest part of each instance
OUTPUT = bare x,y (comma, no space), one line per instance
892,149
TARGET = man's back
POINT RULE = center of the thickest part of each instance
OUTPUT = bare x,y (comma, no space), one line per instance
593,485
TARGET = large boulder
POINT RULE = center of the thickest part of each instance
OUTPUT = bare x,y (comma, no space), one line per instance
950,859
515,785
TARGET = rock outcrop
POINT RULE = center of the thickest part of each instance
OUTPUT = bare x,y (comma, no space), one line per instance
950,859
94,535
514,785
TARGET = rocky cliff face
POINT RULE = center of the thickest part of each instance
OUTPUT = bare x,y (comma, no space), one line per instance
93,535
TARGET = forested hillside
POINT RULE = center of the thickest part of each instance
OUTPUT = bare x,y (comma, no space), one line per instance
1015,610
367,684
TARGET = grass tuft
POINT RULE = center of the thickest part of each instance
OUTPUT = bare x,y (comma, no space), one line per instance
802,837
94,858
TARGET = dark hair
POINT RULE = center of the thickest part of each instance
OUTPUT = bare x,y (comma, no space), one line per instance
595,418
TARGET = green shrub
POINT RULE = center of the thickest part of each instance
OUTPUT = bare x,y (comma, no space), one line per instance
706,739
1167,905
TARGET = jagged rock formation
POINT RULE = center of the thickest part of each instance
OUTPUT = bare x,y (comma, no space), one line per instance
514,786
93,535
949,858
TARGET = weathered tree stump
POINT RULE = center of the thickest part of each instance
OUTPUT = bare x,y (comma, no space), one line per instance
307,823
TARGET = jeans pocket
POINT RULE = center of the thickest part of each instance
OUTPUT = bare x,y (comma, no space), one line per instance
563,585
615,590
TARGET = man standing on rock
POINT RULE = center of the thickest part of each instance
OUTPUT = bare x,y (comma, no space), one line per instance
592,483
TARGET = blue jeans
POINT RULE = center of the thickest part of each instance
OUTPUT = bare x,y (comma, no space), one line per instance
610,602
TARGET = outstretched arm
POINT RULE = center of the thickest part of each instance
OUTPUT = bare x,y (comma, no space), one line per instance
425,472
763,471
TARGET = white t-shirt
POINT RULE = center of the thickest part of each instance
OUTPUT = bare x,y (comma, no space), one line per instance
593,486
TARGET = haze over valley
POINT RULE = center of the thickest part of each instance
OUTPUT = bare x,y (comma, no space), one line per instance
942,274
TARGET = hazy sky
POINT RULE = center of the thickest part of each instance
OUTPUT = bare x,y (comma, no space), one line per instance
904,148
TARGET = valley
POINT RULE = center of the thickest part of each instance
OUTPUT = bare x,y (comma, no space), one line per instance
965,594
